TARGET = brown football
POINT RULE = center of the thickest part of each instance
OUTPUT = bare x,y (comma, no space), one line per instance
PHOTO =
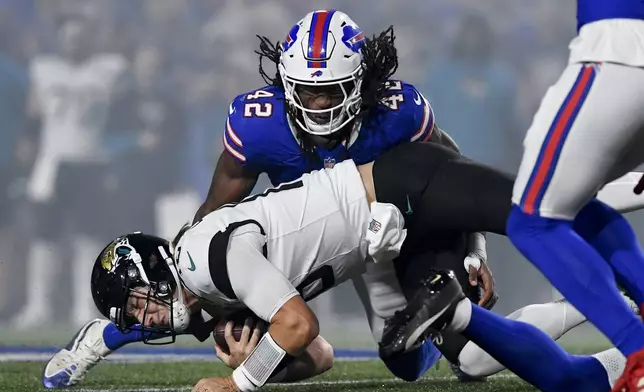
238,318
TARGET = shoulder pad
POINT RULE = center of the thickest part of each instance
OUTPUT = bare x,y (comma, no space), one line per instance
254,119
409,114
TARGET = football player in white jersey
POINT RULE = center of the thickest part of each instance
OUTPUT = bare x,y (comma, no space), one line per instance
274,251
70,91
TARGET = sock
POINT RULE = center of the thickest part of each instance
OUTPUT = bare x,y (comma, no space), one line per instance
528,352
115,339
475,362
553,318
613,362
611,235
578,271
411,365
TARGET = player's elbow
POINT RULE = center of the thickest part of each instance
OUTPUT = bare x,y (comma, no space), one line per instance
302,328
296,325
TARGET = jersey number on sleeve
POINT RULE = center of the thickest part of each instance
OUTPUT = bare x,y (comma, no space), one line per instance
319,281
258,109
392,101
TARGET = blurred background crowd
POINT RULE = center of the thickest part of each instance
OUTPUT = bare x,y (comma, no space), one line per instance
113,111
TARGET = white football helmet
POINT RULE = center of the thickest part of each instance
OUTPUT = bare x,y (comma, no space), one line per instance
323,49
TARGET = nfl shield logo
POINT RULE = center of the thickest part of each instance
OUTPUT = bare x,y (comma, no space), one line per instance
329,162
374,225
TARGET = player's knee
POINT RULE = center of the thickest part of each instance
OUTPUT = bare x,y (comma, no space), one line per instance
517,222
594,217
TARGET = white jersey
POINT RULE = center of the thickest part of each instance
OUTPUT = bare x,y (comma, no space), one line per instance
303,237
74,100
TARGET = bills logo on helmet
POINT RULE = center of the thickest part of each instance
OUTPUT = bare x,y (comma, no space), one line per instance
353,37
290,38
316,73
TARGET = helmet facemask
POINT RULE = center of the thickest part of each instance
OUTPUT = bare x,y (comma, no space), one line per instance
323,122
130,284
323,49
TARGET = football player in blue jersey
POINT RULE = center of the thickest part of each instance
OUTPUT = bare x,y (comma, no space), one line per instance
331,98
585,248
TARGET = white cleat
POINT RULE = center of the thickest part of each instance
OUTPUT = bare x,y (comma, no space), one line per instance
70,365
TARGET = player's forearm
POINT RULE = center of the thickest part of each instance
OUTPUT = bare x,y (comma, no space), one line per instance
230,183
292,330
223,195
476,246
216,198
315,360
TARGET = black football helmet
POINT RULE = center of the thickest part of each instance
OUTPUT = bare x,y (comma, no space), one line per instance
143,262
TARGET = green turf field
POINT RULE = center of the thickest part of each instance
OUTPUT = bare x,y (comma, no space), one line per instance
346,376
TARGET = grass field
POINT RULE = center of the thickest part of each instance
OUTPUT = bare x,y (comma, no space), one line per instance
346,376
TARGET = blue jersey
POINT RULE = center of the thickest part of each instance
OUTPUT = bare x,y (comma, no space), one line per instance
259,134
593,10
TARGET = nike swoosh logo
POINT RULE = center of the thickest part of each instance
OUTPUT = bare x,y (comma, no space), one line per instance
192,266
231,109
417,99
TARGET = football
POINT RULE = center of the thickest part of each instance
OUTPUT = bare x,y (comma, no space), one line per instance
238,319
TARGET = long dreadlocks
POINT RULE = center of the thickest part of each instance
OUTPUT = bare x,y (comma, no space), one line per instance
379,63
271,52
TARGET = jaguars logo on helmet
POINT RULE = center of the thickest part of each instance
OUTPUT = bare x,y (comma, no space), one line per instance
118,249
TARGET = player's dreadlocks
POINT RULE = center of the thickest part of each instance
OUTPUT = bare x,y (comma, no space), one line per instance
272,53
379,63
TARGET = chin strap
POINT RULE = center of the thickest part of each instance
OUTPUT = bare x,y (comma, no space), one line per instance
180,312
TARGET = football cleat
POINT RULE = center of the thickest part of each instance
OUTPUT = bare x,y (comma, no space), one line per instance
70,365
430,310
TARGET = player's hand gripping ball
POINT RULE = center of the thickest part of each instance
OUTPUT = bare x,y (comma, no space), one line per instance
237,335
